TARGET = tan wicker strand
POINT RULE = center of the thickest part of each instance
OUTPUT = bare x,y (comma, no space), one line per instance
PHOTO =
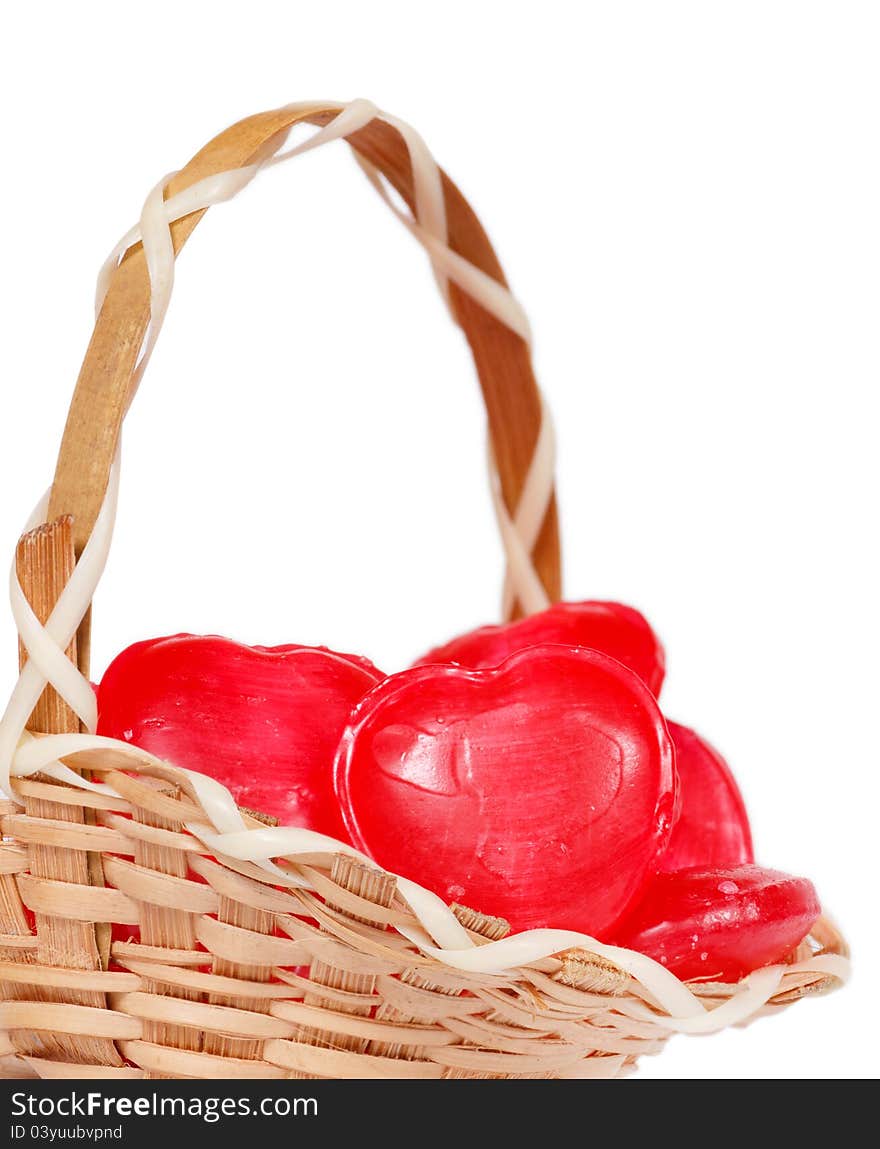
44,563
158,888
61,834
169,1061
134,951
61,796
109,981
18,947
483,925
587,971
229,884
164,921
65,1070
183,977
63,902
21,943
368,886
423,994
241,914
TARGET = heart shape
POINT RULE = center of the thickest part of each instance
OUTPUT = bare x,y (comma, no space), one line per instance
610,627
712,828
541,790
720,924
264,721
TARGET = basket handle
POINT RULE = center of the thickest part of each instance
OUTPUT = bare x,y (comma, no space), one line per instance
385,148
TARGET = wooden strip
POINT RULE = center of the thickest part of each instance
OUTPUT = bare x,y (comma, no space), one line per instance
319,946
159,789
368,885
68,901
44,563
14,1066
316,1061
504,1064
225,987
166,925
597,1068
64,834
629,1026
359,1003
248,947
530,1012
63,1070
353,905
157,888
332,923
68,978
257,895
163,803
409,1002
592,973
134,831
430,974
548,989
60,795
245,918
163,954
56,1017
23,941
486,1035
18,946
332,1021
484,925
416,999
425,995
212,1019
165,1062
13,859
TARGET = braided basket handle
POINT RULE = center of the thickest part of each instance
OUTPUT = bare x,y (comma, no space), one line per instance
110,371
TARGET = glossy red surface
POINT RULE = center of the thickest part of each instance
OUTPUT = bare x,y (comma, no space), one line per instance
265,721
720,924
712,827
606,626
541,791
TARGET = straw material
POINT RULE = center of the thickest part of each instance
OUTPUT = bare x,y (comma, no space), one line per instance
235,977
150,928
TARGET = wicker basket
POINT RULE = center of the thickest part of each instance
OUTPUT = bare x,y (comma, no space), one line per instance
271,951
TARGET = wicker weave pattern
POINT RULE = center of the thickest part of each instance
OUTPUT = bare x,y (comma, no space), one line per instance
236,977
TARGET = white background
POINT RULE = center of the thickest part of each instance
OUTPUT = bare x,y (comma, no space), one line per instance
685,196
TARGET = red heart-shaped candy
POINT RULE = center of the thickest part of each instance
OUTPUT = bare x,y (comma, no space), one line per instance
610,627
541,790
712,828
264,721
720,924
